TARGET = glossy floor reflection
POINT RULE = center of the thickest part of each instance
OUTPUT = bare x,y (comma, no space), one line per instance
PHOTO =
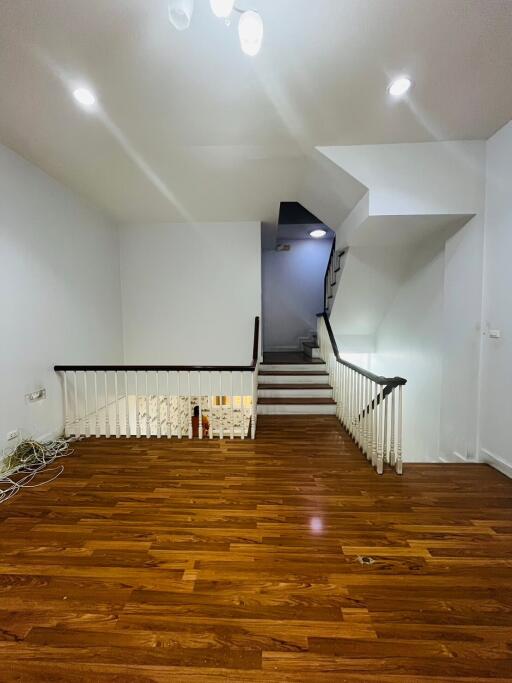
151,560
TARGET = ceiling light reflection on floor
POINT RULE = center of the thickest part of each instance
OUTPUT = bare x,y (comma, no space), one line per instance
316,525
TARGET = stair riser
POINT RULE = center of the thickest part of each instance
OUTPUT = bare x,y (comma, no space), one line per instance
294,379
300,367
312,353
297,410
295,393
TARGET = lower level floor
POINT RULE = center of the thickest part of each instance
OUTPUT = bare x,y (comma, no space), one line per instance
281,559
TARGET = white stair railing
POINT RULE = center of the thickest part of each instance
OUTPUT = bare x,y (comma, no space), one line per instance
161,401
370,407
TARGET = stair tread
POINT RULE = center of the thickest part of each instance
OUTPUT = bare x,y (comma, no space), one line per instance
294,373
291,358
295,386
295,401
311,345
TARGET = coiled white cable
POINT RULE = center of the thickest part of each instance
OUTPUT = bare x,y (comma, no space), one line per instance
30,458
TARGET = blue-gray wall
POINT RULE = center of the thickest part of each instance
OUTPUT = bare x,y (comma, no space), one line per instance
293,291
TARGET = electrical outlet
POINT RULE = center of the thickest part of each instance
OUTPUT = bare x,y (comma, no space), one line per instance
36,396
12,435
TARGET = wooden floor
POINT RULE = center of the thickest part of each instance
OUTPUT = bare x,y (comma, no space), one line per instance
241,561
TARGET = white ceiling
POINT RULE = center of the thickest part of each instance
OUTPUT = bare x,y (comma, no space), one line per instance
191,129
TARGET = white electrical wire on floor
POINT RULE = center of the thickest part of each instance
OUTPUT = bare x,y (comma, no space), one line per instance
29,459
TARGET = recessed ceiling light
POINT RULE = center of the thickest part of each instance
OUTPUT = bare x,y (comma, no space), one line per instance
85,97
399,86
250,32
222,8
319,232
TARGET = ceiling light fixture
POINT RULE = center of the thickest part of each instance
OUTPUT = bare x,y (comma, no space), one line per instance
85,97
222,8
319,232
180,13
250,31
399,86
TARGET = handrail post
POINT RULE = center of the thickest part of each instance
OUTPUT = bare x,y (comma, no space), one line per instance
398,466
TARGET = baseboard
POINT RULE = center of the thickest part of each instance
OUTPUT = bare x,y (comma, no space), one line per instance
496,462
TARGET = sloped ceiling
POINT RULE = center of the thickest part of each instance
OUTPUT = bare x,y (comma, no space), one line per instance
191,129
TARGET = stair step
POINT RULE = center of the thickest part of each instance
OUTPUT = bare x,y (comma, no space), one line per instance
296,373
297,401
296,406
309,378
293,386
294,391
311,349
314,365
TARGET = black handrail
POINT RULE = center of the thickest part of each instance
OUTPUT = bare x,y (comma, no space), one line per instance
331,256
391,382
256,341
173,368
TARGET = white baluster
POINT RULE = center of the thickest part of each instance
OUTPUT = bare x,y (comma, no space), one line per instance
169,426
392,452
66,406
158,407
242,406
351,402
338,395
190,428
137,411
370,421
200,423
116,391
221,406
380,429
75,410
358,410
232,410
342,389
254,407
86,407
374,424
367,421
385,448
107,415
180,403
97,427
398,466
210,405
148,408
127,407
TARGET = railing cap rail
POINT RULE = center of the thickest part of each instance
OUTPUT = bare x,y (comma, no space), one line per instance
378,379
154,368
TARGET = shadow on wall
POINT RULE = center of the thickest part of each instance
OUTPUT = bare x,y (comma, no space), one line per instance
293,292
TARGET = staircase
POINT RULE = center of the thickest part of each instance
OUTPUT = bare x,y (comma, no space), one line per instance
295,384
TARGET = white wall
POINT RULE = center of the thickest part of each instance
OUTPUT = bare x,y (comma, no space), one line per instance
496,395
462,340
190,292
409,344
60,301
293,292
416,178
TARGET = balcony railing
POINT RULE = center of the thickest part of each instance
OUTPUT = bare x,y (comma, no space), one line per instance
368,406
167,401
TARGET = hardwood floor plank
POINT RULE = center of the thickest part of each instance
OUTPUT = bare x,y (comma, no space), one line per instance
158,560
